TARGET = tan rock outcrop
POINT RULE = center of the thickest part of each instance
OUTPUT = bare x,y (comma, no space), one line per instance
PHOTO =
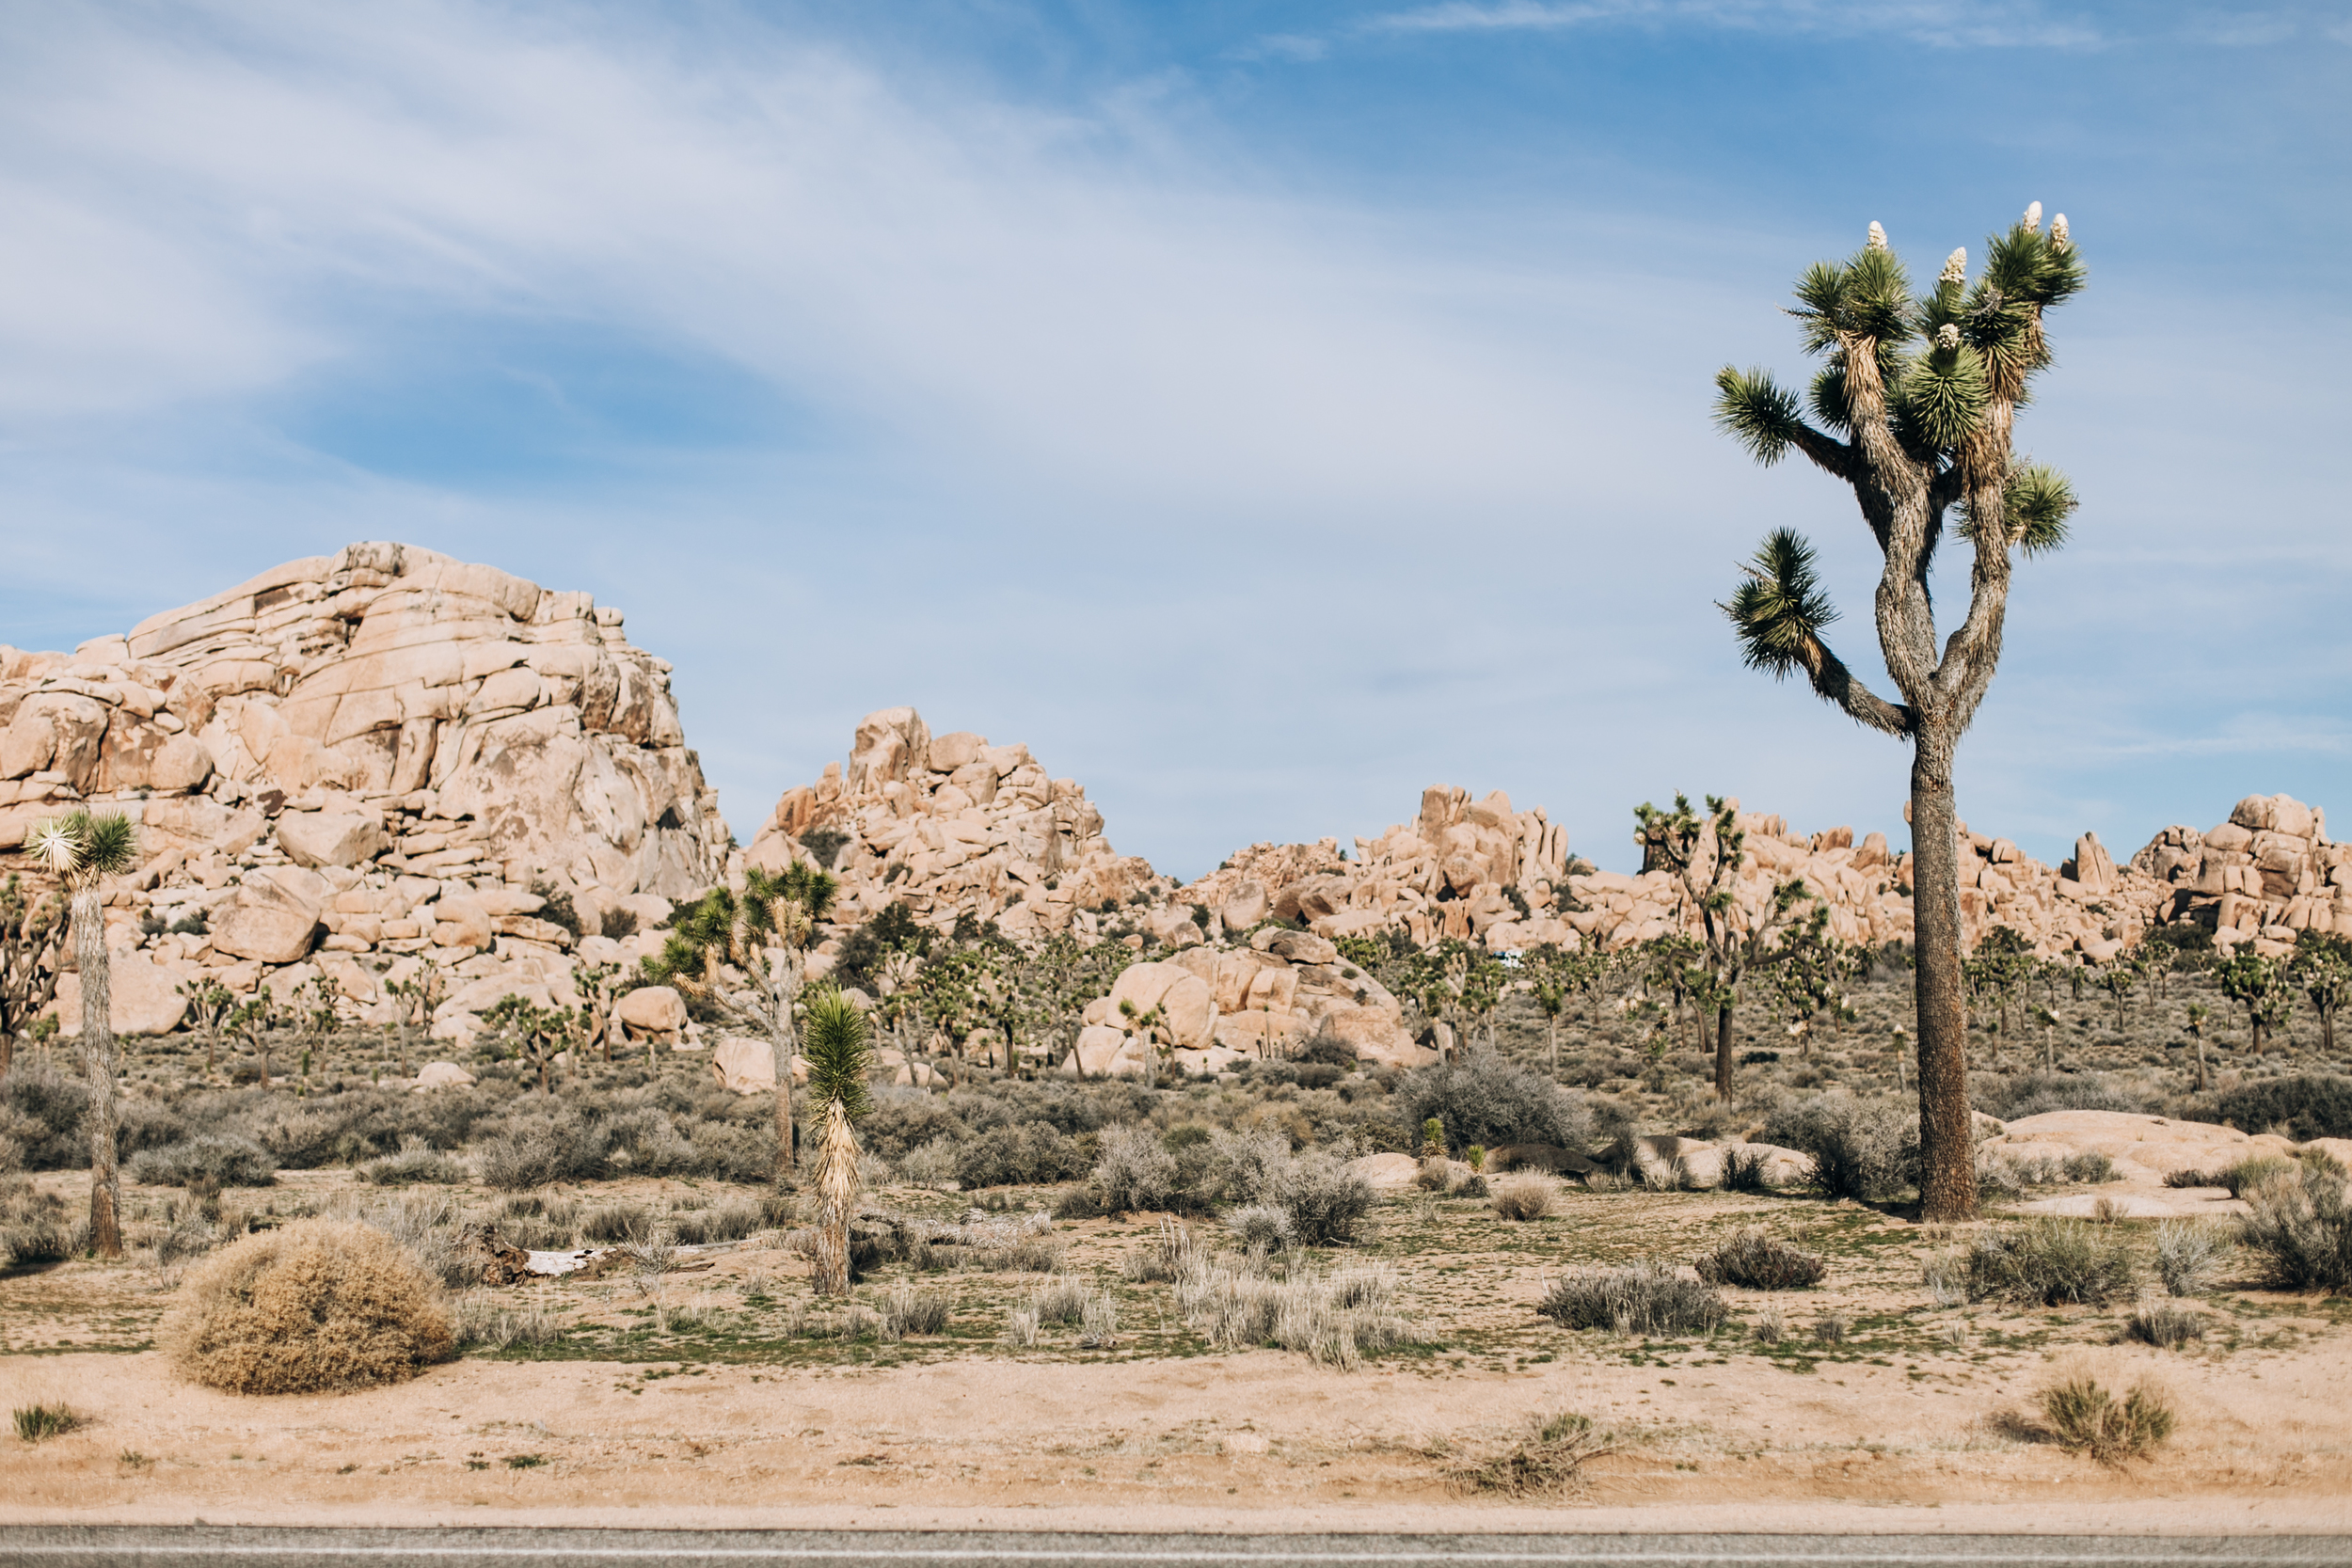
952,826
383,752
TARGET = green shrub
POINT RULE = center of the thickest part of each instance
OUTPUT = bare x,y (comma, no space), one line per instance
1327,1202
1481,1099
2189,1252
1864,1150
2300,1231
1647,1299
1133,1173
2050,1262
1755,1261
2310,1105
2031,1093
416,1161
37,1422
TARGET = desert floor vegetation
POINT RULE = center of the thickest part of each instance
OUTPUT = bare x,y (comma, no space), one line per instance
1052,1229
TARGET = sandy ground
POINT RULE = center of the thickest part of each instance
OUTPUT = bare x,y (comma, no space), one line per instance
1258,1440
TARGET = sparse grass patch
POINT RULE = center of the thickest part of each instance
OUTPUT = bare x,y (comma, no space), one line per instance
2165,1324
911,1309
1545,1463
37,1422
1522,1197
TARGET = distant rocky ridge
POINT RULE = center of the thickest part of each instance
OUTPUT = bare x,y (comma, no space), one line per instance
353,763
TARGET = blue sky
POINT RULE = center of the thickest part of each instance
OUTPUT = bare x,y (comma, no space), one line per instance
1263,411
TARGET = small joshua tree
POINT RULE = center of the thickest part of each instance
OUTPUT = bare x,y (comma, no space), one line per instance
31,935
252,1023
210,1005
837,1048
1915,410
414,999
81,852
2322,966
762,936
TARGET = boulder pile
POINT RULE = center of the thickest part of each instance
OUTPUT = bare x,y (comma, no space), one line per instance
950,825
2260,877
356,762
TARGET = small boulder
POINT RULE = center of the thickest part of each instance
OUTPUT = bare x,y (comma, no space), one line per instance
657,1010
442,1075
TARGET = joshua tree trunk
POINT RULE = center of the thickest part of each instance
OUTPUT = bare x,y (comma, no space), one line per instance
1947,1180
1723,1052
787,1131
836,1199
97,1057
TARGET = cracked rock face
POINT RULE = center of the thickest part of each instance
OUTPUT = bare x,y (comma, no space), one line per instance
353,762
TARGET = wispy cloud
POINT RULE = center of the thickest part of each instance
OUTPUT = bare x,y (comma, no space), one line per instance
1945,23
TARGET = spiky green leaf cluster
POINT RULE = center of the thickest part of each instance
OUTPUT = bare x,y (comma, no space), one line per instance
1866,297
836,1043
1941,395
2040,501
1779,612
80,849
1755,410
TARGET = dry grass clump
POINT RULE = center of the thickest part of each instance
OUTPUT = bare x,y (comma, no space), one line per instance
2189,1254
1164,1259
1522,1197
1546,1463
1335,1319
33,1224
315,1306
2086,1418
913,1311
1755,1261
2165,1324
1646,1298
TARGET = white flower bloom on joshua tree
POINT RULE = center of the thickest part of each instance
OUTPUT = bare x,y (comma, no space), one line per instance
1955,267
2057,232
1877,237
2033,217
1948,336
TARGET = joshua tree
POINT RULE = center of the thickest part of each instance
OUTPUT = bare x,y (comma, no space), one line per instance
252,1023
2322,965
1915,410
602,987
2117,978
209,1003
31,936
2197,1035
537,1034
747,955
81,852
836,1045
1706,855
416,997
2258,985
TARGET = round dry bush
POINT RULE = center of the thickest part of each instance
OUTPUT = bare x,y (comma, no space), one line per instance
313,1305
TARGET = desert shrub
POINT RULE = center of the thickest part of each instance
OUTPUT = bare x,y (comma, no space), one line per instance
536,1151
1481,1099
1435,1174
1262,1226
44,1110
1745,1171
208,1162
315,1304
1021,1327
911,1309
2300,1231
2165,1324
1062,1299
1241,1167
904,1119
478,1324
1522,1197
2049,1262
1544,1463
2309,1106
1864,1150
417,1161
33,1224
2086,1418
741,1152
1029,1155
429,1227
1132,1172
1946,1275
1646,1298
2090,1166
1769,1327
37,1422
1755,1261
616,1223
2032,1093
1327,1202
1829,1329
932,1166
2188,1252
1098,1321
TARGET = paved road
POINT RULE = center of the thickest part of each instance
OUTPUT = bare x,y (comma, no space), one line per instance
67,1546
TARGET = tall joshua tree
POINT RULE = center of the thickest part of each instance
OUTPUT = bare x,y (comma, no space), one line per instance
81,852
1913,409
762,935
837,1047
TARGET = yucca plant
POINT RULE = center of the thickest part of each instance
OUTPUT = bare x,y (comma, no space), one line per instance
746,954
81,852
838,1049
1915,410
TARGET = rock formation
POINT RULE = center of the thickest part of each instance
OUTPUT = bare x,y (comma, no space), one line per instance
356,761
949,826
2259,878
